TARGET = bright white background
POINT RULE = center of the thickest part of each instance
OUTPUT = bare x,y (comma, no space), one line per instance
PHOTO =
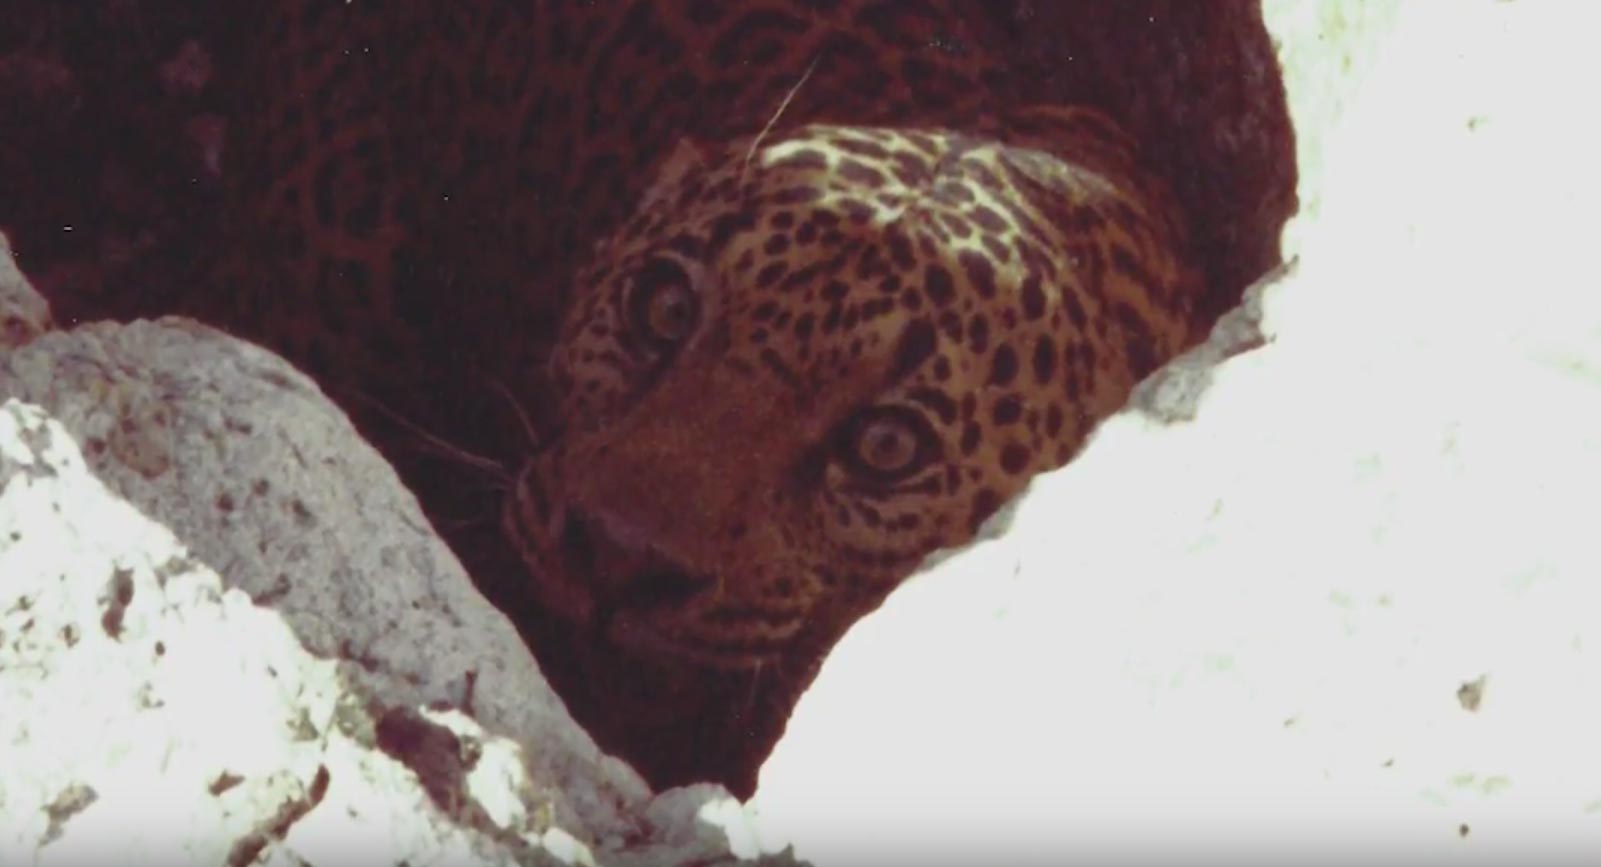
1246,634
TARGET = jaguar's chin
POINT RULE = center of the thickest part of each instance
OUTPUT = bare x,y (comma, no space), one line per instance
643,632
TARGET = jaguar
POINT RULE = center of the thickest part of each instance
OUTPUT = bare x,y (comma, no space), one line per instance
750,304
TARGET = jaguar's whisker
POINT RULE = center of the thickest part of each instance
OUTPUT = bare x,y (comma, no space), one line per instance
757,141
438,445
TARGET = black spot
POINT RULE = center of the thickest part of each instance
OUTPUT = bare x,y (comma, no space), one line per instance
987,219
938,284
1015,458
803,277
1003,366
915,345
860,173
1075,309
1033,297
1044,359
970,438
796,195
1007,410
979,272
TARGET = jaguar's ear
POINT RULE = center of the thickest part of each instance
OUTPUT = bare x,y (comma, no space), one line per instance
688,156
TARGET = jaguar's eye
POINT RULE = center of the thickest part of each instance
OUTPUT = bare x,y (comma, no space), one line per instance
662,303
888,443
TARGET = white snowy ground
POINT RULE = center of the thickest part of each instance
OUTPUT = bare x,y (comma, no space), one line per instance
1354,606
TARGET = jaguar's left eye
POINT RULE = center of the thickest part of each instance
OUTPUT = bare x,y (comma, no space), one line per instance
662,303
887,443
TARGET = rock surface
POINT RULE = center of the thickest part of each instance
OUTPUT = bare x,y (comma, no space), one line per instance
317,696
1330,597
152,717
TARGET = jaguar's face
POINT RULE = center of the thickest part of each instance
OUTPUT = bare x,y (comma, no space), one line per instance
802,367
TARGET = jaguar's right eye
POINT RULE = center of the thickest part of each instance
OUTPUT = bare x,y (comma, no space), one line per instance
663,306
887,444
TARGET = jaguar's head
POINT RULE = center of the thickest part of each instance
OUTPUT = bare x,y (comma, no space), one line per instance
810,360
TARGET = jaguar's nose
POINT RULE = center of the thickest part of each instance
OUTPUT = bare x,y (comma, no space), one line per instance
626,573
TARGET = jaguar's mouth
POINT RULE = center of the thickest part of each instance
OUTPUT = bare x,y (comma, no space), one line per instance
647,604
623,589
603,582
